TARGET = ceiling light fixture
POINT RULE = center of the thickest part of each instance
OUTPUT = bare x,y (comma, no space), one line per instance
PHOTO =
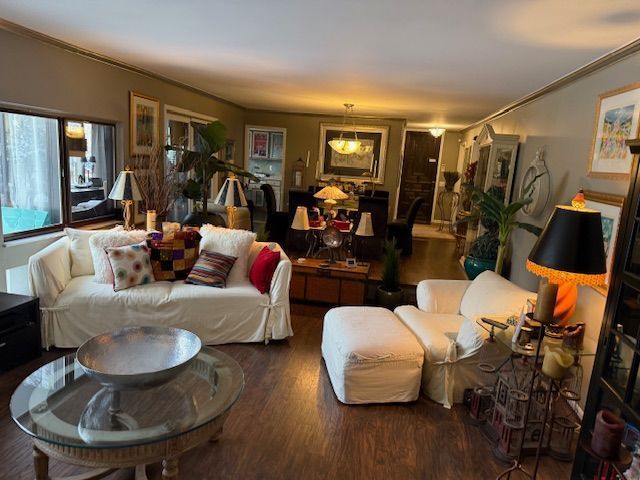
436,132
346,146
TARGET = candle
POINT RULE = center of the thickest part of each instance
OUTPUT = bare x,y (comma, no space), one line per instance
308,155
151,220
546,302
318,169
555,363
607,434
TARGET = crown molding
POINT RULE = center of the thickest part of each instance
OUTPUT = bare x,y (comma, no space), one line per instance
599,63
311,114
54,42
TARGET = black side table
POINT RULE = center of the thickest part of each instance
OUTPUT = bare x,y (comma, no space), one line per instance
19,330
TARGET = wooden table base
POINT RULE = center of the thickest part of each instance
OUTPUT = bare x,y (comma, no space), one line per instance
104,461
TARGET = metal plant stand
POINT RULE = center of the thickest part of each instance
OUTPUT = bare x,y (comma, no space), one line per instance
447,203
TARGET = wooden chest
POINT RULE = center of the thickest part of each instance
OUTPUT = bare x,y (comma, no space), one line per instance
336,283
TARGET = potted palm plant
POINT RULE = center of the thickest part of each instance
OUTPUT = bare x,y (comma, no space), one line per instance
203,163
499,221
389,293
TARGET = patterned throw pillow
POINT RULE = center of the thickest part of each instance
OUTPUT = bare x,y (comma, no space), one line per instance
173,254
131,266
211,269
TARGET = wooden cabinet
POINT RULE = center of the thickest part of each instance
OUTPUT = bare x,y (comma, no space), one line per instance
19,330
615,381
335,284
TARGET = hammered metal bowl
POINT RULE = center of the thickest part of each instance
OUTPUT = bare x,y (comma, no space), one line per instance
138,357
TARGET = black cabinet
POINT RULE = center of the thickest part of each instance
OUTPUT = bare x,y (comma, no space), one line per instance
19,330
615,381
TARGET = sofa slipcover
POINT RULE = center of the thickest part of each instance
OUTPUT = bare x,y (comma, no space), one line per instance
76,308
370,356
445,325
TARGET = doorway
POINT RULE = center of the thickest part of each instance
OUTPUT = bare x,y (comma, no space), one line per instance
419,173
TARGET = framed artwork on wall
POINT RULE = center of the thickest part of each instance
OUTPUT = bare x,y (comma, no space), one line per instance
259,144
616,120
610,208
144,128
370,158
228,153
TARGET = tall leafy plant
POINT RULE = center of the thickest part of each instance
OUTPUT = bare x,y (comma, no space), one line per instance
391,267
203,161
490,208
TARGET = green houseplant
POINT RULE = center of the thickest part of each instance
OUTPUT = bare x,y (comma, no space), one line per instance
203,163
389,294
499,220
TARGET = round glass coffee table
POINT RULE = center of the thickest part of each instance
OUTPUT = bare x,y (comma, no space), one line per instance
74,419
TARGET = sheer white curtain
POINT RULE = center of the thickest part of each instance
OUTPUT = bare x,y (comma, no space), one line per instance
29,164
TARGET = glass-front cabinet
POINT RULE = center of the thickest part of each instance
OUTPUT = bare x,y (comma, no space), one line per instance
615,381
496,156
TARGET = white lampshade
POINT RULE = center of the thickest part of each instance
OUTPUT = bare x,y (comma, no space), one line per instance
365,226
231,194
331,192
126,187
301,219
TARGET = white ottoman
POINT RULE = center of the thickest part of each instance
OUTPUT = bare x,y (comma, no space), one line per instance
371,356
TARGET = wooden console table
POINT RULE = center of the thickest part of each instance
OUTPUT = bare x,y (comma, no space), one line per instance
336,283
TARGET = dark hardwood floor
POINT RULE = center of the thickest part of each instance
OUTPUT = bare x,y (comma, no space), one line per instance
289,425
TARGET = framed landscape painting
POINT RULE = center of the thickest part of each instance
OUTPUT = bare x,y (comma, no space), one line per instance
370,158
610,208
144,129
616,120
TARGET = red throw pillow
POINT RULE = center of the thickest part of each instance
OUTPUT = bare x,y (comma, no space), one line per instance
263,268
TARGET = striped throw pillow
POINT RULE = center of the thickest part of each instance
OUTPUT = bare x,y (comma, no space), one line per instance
211,269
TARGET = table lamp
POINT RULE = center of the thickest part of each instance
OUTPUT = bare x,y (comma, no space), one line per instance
127,191
569,249
331,194
231,195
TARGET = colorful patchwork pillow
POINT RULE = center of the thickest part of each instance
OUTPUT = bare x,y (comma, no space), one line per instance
131,266
173,254
211,269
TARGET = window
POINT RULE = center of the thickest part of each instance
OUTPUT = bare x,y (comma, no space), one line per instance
34,172
29,173
90,156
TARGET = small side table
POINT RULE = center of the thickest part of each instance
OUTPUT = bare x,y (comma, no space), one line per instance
19,330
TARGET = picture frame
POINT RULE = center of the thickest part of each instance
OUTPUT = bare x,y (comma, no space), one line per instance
372,157
144,126
276,145
617,119
259,144
610,208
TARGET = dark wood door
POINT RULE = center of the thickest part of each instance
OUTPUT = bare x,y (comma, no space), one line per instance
419,172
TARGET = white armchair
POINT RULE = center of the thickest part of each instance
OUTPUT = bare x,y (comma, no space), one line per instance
445,325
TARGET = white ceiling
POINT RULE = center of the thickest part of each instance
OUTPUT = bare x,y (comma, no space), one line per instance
431,61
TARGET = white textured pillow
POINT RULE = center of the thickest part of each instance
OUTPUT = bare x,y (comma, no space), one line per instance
102,240
236,243
80,252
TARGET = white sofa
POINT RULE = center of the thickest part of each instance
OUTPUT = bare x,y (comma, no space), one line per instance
75,309
444,323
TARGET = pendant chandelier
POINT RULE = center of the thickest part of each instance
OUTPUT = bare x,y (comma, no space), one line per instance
346,146
436,131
